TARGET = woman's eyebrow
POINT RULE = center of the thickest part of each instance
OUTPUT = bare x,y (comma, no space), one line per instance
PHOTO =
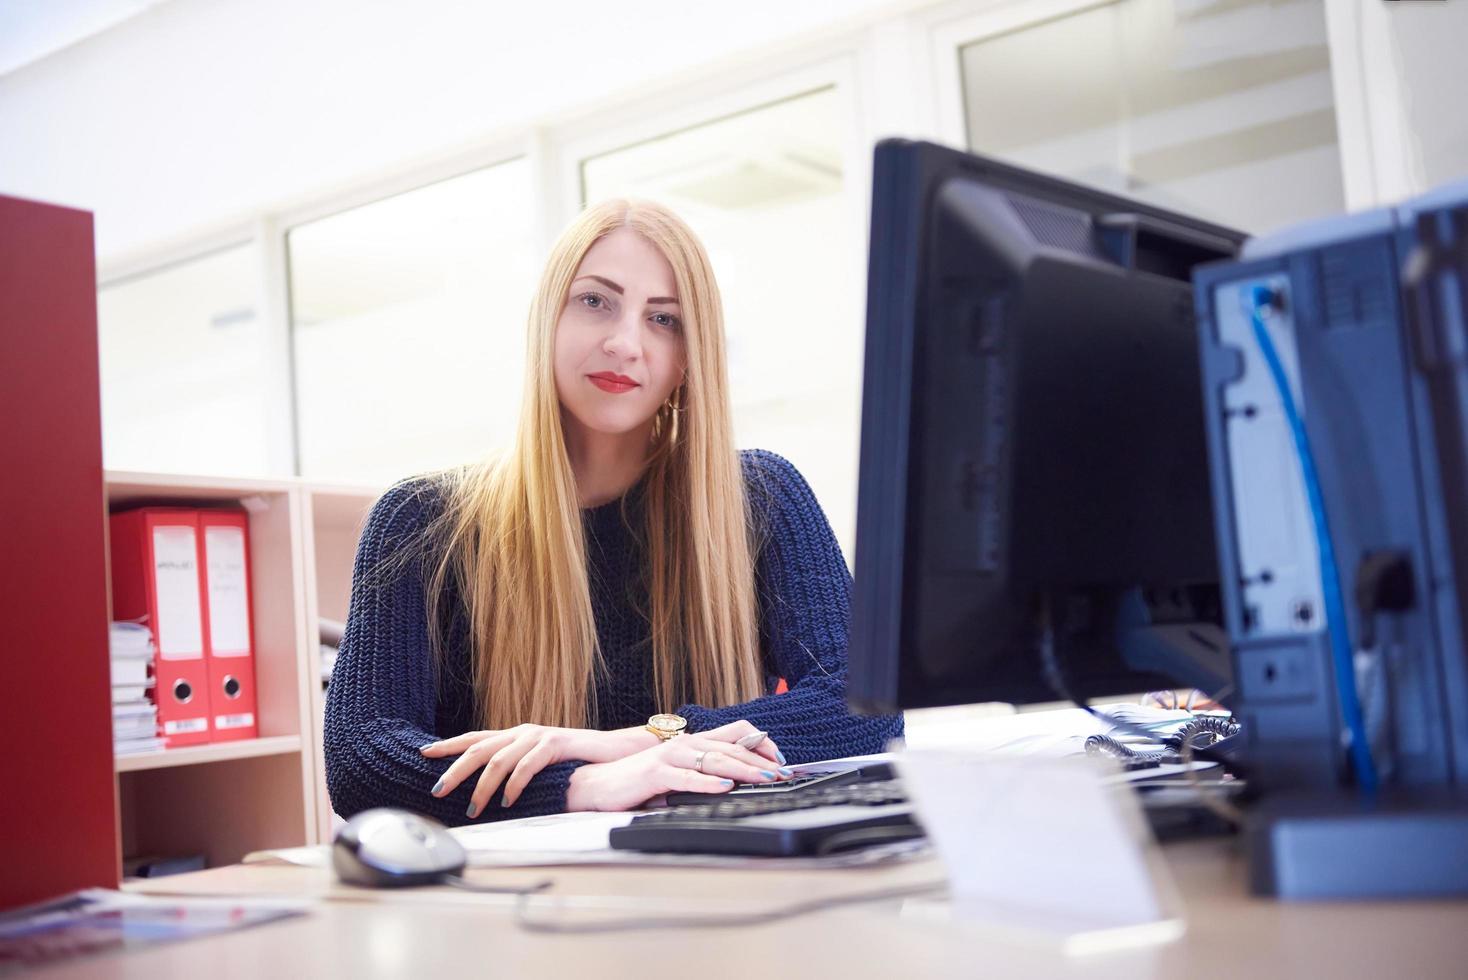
605,282
618,290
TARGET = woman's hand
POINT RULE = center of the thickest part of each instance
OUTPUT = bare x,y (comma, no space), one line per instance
513,756
520,753
745,735
687,763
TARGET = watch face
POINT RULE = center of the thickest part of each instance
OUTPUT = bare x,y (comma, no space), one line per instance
668,723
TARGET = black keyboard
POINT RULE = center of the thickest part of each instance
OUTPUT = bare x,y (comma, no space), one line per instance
800,783
816,819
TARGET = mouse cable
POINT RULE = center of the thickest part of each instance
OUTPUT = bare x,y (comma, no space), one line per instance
469,886
529,923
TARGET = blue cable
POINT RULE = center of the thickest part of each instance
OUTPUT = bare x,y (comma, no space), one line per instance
1335,607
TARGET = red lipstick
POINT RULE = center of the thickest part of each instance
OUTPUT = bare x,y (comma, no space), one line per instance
612,382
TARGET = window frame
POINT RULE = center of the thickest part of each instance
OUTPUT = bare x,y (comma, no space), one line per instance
255,235
897,72
1366,89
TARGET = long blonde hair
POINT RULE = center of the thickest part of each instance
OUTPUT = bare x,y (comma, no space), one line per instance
512,538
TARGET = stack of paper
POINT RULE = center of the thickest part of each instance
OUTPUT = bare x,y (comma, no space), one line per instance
134,715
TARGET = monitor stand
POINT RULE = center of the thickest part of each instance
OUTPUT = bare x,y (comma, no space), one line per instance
1402,843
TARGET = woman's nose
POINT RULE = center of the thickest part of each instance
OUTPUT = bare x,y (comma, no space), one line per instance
624,338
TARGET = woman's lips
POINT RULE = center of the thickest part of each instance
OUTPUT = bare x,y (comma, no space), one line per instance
609,384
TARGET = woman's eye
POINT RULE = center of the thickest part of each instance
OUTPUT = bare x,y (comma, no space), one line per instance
665,320
592,300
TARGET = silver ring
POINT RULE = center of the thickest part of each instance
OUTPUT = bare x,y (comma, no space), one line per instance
698,760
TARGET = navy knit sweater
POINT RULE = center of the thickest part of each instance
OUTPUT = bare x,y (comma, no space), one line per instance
383,703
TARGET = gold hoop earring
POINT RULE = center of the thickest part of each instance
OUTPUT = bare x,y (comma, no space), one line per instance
681,406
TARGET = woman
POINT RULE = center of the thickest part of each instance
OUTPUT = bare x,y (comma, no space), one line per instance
526,616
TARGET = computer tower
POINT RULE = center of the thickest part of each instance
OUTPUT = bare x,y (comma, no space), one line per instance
1345,341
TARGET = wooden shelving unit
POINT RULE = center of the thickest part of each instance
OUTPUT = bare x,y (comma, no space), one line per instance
193,755
333,518
230,798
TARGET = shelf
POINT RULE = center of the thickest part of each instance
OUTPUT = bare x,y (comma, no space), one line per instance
303,541
215,752
334,515
132,489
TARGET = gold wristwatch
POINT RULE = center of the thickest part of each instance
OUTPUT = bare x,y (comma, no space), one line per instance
666,726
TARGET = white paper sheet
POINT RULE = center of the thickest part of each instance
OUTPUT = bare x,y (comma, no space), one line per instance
560,832
581,838
1048,838
229,609
176,579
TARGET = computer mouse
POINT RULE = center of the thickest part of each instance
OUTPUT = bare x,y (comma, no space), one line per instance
390,848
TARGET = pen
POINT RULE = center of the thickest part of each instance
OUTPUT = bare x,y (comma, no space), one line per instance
751,740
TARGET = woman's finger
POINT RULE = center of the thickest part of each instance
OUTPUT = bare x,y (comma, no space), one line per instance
494,773
746,735
455,745
469,762
741,765
761,744
722,764
731,732
764,746
752,759
542,755
676,780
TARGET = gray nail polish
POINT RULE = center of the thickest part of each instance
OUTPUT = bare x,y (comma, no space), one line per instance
425,748
786,772
727,782
504,801
437,787
767,774
781,756
471,811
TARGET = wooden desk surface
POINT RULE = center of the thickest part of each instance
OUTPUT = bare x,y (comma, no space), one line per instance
442,932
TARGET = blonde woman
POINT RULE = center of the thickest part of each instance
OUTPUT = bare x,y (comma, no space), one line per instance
600,616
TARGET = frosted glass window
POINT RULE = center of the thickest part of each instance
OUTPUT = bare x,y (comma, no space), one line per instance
182,357
1217,108
408,327
763,189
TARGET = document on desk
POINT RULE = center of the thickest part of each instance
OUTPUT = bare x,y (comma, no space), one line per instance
558,833
98,920
583,838
1043,734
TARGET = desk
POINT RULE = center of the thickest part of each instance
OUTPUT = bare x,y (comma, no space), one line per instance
440,932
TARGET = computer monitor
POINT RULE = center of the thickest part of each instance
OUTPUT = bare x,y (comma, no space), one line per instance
1104,446
1034,468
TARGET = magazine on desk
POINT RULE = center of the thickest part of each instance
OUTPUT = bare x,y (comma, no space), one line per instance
100,921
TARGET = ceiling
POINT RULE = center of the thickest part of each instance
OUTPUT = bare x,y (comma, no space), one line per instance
32,29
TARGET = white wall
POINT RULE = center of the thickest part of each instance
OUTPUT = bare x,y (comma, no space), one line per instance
1398,70
198,113
1429,42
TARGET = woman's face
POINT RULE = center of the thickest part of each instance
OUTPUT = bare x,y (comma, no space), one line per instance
619,341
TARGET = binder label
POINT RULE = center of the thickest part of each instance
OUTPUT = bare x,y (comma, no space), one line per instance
229,608
184,726
234,721
176,580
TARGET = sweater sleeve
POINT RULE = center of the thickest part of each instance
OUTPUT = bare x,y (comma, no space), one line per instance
382,702
804,591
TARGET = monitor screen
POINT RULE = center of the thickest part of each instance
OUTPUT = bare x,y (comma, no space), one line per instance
1033,449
